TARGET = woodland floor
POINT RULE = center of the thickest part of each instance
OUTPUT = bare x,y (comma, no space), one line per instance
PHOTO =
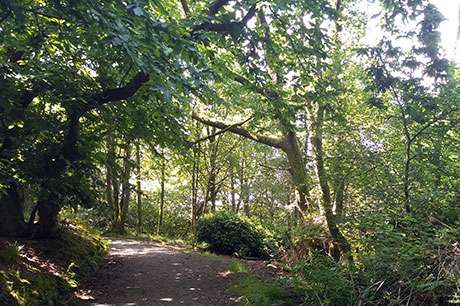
148,273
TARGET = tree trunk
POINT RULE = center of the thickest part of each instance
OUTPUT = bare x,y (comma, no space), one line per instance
110,188
11,211
297,170
47,225
162,194
232,187
244,195
317,118
138,188
195,172
213,146
339,194
123,204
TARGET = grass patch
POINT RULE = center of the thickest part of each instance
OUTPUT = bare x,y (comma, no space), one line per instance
253,291
46,272
236,266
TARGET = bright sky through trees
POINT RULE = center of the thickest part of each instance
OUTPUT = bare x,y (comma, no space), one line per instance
450,10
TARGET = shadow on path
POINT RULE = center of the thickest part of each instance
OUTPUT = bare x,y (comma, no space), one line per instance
146,273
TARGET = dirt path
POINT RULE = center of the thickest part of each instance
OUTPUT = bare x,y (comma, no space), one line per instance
146,273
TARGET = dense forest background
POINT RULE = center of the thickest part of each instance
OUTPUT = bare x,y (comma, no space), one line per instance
332,125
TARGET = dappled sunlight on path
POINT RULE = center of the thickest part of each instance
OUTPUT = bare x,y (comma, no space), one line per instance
146,273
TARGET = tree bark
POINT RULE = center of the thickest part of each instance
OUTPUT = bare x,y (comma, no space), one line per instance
297,170
48,210
212,188
232,186
194,187
138,188
123,203
162,194
110,188
339,194
244,195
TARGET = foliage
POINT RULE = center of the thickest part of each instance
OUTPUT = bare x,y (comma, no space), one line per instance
366,134
227,233
47,272
323,282
10,253
410,262
253,291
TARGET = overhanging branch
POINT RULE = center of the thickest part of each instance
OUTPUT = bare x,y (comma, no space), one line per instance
237,129
221,131
116,94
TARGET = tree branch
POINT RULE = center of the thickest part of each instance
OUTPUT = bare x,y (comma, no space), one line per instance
227,27
221,131
216,6
433,121
275,168
270,94
235,129
185,7
116,94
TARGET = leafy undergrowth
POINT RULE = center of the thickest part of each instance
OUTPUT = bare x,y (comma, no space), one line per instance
253,290
46,272
413,263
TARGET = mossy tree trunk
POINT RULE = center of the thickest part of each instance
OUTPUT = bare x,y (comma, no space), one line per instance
332,222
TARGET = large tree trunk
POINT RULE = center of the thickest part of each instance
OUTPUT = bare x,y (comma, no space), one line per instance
47,226
11,211
48,208
48,205
297,170
317,118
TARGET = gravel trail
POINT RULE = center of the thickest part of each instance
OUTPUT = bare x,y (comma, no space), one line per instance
147,273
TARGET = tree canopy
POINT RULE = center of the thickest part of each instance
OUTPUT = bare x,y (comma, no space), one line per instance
334,120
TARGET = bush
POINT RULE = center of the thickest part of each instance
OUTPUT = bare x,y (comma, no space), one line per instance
227,233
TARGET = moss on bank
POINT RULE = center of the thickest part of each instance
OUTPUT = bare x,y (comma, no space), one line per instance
46,272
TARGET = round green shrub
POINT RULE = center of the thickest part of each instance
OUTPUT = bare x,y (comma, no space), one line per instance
227,233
